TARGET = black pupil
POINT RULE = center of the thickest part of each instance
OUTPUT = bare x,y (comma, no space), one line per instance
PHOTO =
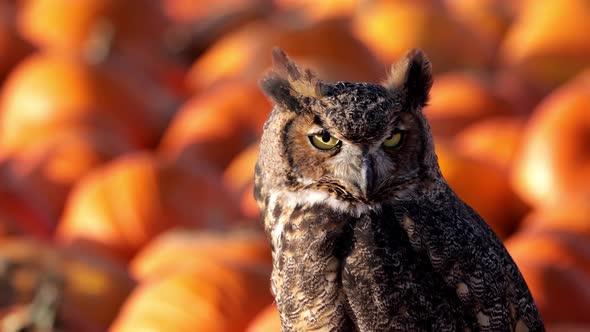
325,137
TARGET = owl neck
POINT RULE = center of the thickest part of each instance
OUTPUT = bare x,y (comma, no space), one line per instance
308,243
311,243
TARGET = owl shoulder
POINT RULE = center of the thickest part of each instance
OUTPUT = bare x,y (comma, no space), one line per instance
472,260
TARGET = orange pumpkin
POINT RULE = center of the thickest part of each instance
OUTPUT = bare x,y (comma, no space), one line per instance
240,171
4,227
51,167
568,327
316,11
68,30
82,280
22,208
104,30
268,320
535,48
209,296
30,318
45,94
391,28
215,125
246,53
154,92
18,216
238,177
75,26
8,225
520,92
12,47
202,24
559,248
248,205
561,291
483,186
98,30
120,207
495,140
458,100
569,217
187,11
194,195
160,256
552,250
553,164
489,19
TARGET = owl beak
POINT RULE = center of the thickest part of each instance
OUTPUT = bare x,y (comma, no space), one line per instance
368,176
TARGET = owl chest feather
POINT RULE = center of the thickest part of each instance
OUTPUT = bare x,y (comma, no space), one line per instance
335,271
307,255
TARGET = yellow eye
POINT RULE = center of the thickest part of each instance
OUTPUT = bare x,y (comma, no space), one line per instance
393,140
324,141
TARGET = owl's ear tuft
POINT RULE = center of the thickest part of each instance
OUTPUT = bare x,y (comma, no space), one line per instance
412,76
278,89
286,82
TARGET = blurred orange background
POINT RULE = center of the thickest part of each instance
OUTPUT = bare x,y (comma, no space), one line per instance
128,136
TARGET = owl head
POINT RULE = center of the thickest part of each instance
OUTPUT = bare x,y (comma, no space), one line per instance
347,143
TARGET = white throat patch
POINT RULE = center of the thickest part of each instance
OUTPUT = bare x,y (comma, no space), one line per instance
311,197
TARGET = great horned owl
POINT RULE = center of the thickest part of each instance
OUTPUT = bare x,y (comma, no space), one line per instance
366,233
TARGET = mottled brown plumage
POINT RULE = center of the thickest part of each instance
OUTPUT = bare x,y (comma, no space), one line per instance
366,234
